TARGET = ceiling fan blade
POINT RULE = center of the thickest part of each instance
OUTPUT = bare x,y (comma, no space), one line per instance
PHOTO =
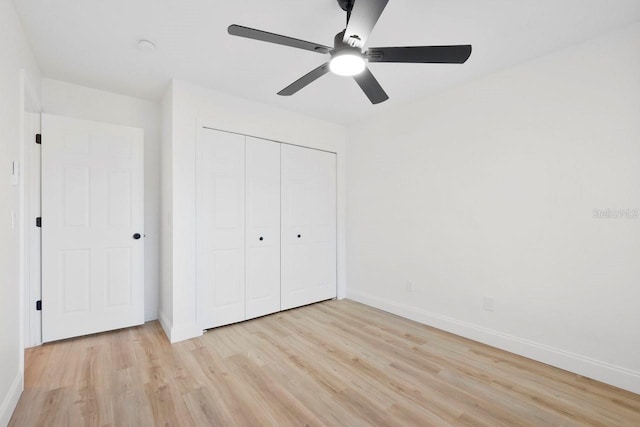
252,33
371,87
421,54
305,80
363,18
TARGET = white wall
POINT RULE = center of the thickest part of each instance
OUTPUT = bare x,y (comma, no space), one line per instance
195,106
84,103
488,189
15,56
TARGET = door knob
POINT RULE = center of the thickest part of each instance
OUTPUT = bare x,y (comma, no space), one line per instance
261,238
299,236
137,236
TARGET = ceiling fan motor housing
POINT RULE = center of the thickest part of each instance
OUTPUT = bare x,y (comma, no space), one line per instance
341,48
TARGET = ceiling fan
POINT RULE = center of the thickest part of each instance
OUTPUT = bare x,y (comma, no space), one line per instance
347,55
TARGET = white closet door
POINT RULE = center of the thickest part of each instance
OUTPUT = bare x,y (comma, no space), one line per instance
220,241
92,224
262,227
308,226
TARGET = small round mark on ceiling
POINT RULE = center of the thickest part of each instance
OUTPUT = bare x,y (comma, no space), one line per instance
146,45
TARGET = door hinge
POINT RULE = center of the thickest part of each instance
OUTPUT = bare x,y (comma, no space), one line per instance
39,222
39,305
38,138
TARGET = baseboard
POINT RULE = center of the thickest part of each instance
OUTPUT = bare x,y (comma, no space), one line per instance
166,325
10,401
184,332
576,363
180,332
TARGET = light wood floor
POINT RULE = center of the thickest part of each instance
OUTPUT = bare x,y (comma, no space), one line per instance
336,363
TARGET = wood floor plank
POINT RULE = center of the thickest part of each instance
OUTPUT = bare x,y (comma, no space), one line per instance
335,363
205,409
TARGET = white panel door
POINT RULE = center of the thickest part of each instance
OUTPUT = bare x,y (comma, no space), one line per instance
308,226
262,227
220,218
92,224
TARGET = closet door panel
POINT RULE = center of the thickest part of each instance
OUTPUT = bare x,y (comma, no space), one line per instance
220,241
262,227
308,226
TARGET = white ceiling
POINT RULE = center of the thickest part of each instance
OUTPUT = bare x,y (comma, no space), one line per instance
93,43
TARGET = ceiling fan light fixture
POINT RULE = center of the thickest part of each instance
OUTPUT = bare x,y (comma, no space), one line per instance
347,64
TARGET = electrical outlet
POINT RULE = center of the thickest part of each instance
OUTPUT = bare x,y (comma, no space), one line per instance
488,304
410,286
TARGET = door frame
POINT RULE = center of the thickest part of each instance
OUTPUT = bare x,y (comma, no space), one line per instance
30,193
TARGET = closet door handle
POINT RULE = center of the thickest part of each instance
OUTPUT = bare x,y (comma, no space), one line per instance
137,236
261,238
299,236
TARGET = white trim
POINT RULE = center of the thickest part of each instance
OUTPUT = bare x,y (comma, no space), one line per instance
267,139
240,129
576,363
184,332
166,325
178,333
31,177
31,319
10,401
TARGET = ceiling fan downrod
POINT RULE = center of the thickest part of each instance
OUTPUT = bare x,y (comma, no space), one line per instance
347,6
